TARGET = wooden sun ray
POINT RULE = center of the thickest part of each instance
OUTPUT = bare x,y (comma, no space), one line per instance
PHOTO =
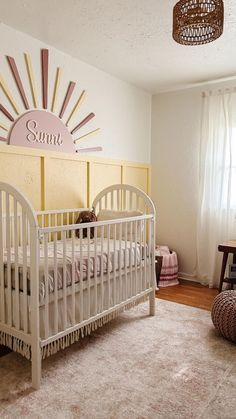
18,81
89,134
8,94
6,113
84,122
2,126
67,98
29,67
44,64
76,107
56,88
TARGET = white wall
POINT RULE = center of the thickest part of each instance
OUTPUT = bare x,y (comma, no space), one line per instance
123,112
176,119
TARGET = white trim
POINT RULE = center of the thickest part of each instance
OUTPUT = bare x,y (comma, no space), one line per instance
188,277
195,85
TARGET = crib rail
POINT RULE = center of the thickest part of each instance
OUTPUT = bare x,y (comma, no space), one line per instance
50,218
53,218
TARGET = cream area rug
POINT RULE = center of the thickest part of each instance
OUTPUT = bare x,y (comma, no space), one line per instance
173,365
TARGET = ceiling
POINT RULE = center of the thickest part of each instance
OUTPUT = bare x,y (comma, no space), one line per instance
130,39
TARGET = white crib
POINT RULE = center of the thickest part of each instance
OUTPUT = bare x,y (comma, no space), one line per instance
56,286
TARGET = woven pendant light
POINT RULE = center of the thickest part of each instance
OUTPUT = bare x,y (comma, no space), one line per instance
197,22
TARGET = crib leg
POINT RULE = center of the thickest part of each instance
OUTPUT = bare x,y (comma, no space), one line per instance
152,303
36,366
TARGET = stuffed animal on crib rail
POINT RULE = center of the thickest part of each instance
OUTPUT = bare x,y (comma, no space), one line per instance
86,217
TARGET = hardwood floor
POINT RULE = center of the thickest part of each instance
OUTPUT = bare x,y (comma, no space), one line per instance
189,293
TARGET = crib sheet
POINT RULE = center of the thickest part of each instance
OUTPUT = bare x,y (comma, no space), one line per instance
119,255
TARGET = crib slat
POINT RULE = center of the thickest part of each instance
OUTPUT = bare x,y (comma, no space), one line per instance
130,200
120,264
55,284
64,281
142,250
140,255
67,223
95,270
49,225
16,267
149,253
102,268
124,200
105,201
112,200
1,264
45,239
24,248
57,223
81,310
28,233
135,256
73,276
138,202
8,246
130,258
114,268
126,262
108,265
145,252
89,272
118,199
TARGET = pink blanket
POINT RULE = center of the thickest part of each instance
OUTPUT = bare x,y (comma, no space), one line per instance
169,269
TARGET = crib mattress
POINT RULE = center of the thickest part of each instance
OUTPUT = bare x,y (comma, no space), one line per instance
119,256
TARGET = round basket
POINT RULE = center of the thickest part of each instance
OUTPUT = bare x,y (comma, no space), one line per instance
223,314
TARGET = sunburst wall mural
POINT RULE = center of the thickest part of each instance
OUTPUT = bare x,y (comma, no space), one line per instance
41,127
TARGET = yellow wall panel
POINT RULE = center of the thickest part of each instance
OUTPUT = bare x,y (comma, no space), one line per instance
136,176
57,180
103,175
24,173
65,183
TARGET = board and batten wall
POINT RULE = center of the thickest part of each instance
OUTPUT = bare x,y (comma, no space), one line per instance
57,180
176,130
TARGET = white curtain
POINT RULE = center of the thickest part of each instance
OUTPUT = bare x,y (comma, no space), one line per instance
217,195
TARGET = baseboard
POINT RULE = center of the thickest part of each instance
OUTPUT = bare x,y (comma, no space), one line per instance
188,277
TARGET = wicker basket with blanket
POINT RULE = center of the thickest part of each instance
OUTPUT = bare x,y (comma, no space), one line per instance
166,267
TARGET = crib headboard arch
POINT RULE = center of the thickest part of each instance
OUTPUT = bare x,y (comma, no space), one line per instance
124,197
18,199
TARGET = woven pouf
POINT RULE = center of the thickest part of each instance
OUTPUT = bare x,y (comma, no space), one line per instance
223,314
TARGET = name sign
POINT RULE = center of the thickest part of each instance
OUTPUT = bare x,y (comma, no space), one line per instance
43,130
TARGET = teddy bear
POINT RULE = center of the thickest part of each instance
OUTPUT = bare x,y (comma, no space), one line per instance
86,217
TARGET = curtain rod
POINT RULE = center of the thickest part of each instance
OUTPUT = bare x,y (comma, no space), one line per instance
226,90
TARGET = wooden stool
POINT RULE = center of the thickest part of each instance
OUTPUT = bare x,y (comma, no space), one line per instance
226,248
